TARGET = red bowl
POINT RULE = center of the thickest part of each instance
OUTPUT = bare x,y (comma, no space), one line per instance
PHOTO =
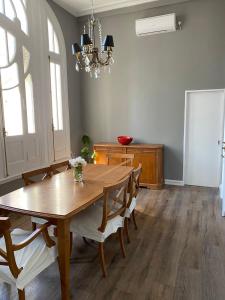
124,140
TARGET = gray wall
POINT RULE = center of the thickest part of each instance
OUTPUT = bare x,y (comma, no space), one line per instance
144,96
71,33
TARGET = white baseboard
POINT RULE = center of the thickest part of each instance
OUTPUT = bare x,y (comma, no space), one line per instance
9,179
174,182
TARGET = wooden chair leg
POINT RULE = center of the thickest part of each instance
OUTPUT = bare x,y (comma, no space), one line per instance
102,259
34,226
21,294
126,229
85,241
134,219
71,243
120,231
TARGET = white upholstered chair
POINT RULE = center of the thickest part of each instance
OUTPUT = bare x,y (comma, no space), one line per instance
132,202
100,221
23,254
60,167
30,178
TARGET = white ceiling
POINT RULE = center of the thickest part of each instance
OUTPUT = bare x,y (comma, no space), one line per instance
83,7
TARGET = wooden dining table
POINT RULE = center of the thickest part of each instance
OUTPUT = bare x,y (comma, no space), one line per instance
60,198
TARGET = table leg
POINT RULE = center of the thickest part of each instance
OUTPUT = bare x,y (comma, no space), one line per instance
63,234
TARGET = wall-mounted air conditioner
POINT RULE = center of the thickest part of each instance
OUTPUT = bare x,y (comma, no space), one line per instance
156,25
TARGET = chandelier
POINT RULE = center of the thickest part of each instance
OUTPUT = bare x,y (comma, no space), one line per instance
93,54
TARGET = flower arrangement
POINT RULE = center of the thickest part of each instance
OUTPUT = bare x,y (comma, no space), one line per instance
78,163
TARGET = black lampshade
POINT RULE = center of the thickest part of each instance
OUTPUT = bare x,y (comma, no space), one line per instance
85,40
108,41
76,48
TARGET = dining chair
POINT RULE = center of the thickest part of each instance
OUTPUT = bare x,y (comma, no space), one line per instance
46,173
100,221
60,167
132,202
24,254
30,178
125,159
21,221
36,175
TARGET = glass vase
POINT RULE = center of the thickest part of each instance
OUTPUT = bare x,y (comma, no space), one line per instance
78,173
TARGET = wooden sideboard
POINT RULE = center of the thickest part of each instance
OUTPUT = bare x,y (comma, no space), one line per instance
151,157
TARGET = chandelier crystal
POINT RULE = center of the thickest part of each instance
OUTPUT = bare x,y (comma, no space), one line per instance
93,55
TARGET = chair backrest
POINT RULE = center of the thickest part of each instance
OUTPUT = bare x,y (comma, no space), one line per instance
134,183
45,172
117,193
60,167
7,257
123,158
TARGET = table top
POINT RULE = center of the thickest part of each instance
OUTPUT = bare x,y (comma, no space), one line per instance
132,145
60,197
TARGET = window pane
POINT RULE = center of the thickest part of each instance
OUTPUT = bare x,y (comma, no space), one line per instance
9,10
12,112
11,46
9,77
56,44
56,90
26,59
1,7
30,104
3,48
59,97
50,37
21,15
54,95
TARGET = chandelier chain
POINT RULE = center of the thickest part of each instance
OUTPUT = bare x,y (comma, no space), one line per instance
90,56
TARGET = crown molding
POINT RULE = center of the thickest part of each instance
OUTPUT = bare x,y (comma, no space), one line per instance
110,5
68,7
105,6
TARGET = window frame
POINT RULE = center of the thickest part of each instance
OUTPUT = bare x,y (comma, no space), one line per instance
41,86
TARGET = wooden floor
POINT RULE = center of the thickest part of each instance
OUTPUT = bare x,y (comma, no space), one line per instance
177,253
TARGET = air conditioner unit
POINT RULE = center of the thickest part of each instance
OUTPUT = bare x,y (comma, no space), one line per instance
156,25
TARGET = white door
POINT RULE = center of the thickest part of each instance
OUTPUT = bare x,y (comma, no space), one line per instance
204,115
222,186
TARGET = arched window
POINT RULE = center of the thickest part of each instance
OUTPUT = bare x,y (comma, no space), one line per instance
33,91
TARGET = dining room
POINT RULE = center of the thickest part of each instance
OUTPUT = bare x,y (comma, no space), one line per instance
112,170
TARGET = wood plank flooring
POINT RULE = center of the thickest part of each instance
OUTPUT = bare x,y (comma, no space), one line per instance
177,253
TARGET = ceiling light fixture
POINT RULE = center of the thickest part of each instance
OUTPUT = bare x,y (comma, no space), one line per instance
88,55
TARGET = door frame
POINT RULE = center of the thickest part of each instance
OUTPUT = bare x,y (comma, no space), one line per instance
187,92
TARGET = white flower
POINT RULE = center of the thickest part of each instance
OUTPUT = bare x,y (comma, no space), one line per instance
75,162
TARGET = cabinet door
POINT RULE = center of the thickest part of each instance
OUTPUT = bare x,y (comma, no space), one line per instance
148,159
101,155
